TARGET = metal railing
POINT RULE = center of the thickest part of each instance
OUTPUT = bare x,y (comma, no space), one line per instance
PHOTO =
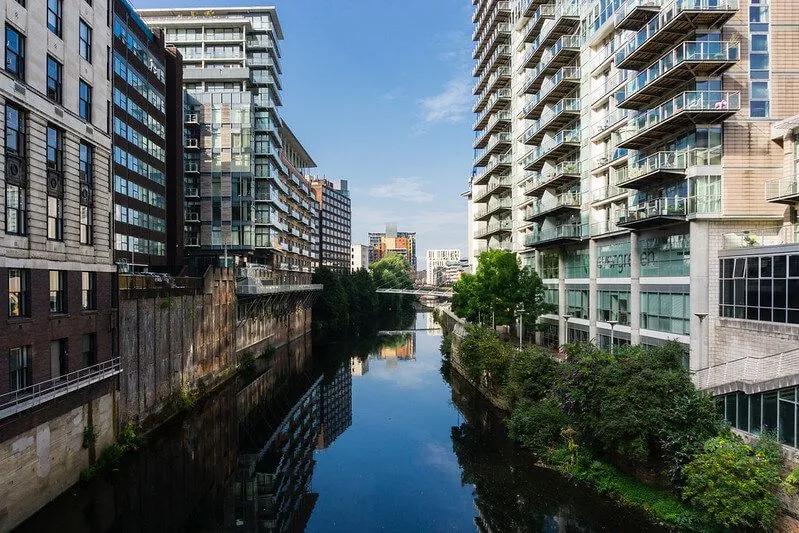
782,188
687,101
748,370
505,225
658,161
27,397
772,236
572,231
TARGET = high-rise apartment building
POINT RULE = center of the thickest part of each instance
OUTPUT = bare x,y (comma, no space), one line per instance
618,143
56,250
402,243
147,146
440,259
236,197
360,257
335,224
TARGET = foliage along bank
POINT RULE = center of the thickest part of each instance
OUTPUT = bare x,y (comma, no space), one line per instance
632,424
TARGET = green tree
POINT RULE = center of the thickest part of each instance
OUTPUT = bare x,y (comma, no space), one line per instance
469,300
498,275
393,272
331,308
531,376
531,296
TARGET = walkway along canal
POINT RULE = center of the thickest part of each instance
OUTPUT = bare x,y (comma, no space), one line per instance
337,437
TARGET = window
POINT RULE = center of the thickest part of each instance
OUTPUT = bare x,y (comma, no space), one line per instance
19,369
88,290
55,218
666,312
15,53
577,303
86,172
763,288
18,292
55,148
85,32
54,77
89,350
54,16
58,291
85,102
550,265
16,210
59,357
614,305
759,59
763,412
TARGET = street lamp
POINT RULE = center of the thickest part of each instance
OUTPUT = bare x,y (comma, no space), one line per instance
520,314
701,317
612,324
566,318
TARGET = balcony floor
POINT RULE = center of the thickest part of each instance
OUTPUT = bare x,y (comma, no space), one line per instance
557,92
556,123
653,222
552,211
638,17
554,242
554,182
658,176
674,125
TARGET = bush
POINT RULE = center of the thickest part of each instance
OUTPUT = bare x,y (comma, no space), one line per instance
446,345
538,425
735,484
530,376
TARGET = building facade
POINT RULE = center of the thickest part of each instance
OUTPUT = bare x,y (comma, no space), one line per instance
618,143
148,146
236,199
335,224
360,257
440,259
402,243
56,250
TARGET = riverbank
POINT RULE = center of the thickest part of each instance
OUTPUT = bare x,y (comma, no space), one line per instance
631,425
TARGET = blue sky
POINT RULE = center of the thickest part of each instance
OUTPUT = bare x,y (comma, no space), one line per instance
379,92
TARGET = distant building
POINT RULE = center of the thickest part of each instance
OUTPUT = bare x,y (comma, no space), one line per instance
359,257
358,366
440,259
402,243
335,224
450,273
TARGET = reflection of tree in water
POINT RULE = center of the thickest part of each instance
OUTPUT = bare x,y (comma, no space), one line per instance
510,492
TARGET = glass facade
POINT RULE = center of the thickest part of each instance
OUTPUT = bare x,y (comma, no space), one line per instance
576,264
759,59
764,288
773,411
614,305
577,303
666,312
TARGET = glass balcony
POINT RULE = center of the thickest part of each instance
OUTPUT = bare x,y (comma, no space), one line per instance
773,236
486,104
604,193
501,53
499,142
494,207
504,226
553,89
496,122
561,54
676,20
561,144
552,206
555,236
611,157
561,174
498,78
566,20
496,164
783,190
604,227
486,46
486,23
533,27
526,8
681,112
690,60
606,125
494,186
657,213
635,14
552,119
657,167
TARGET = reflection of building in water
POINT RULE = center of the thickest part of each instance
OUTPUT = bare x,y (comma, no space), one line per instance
431,325
271,491
358,366
336,406
403,348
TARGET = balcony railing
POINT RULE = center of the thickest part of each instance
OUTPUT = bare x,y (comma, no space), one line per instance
562,172
571,74
674,208
772,236
496,227
783,190
493,207
691,52
541,207
495,184
488,107
566,105
44,391
563,231
608,122
534,23
609,157
494,142
494,162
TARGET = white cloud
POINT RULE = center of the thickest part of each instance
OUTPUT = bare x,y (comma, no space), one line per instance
451,105
402,189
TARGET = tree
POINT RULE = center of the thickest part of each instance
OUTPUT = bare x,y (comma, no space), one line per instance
498,274
469,300
393,272
331,308
531,296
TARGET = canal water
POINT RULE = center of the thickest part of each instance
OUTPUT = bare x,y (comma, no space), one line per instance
343,436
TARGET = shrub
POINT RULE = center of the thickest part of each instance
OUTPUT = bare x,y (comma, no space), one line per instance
530,376
247,364
538,425
735,484
89,436
446,345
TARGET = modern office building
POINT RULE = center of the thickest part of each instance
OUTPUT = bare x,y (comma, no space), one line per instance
147,146
236,199
402,243
335,224
440,259
620,144
360,257
56,250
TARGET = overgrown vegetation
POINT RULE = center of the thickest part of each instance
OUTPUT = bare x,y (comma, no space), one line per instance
636,410
350,300
129,440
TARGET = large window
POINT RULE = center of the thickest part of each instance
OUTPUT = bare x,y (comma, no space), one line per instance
54,8
55,218
16,209
666,312
58,291
55,202
577,303
16,191
764,288
55,148
85,101
15,53
54,79
85,34
576,264
614,305
86,171
773,411
19,369
88,290
89,349
759,61
18,292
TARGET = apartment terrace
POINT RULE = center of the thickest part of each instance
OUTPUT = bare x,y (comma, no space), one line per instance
566,20
782,235
567,202
553,89
690,60
552,119
565,142
561,174
494,207
555,236
657,213
497,122
496,228
681,112
496,164
532,29
635,14
783,190
494,186
665,166
561,54
676,20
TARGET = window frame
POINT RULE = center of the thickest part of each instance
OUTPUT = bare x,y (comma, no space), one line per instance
23,294
58,293
54,86
22,372
85,43
88,291
84,100
19,72
55,9
18,212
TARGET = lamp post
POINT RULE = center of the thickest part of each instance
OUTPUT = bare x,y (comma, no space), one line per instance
566,318
701,350
612,324
520,314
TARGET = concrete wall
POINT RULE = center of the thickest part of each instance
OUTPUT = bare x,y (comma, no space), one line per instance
43,461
